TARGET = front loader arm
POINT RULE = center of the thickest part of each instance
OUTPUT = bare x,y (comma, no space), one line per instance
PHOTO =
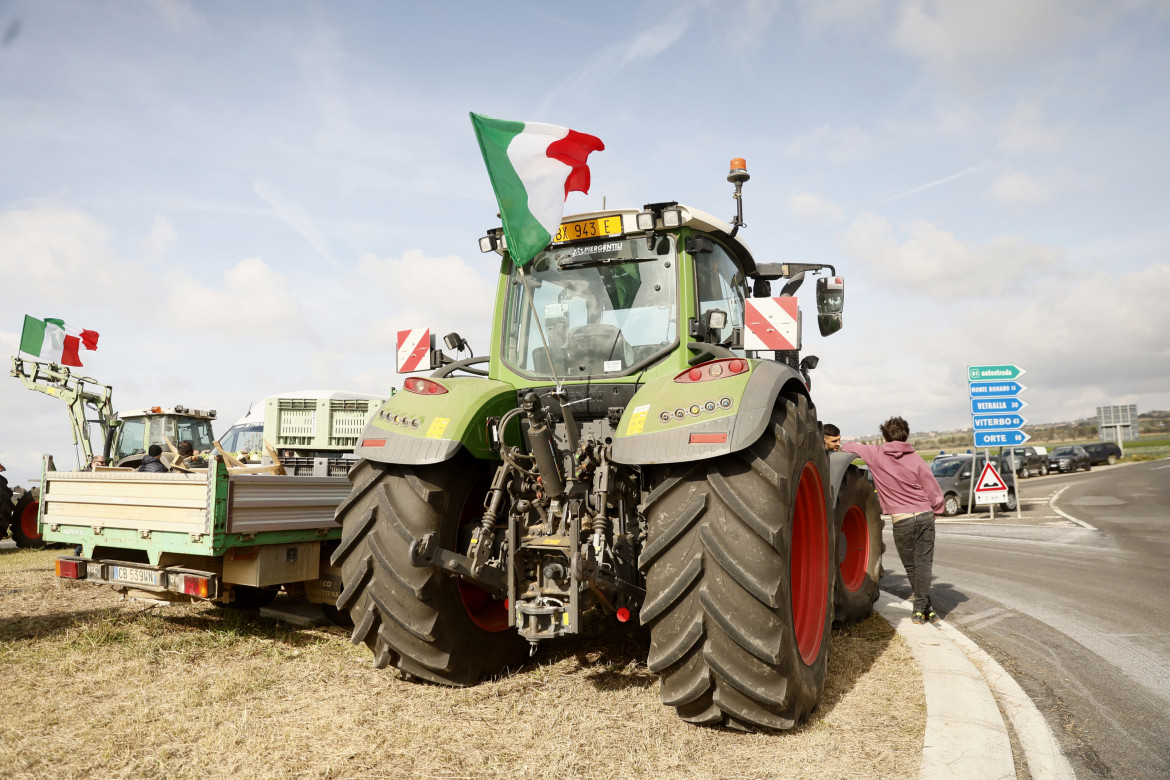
77,392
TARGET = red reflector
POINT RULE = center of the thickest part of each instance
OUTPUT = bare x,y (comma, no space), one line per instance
708,438
694,375
736,366
373,442
623,615
70,570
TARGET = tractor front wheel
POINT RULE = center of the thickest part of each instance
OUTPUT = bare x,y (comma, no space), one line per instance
739,578
429,624
859,524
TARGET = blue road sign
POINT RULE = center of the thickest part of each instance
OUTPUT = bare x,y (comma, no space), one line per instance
996,389
996,405
1000,438
997,422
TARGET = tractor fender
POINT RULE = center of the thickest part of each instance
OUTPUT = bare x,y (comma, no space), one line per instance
670,422
838,465
416,429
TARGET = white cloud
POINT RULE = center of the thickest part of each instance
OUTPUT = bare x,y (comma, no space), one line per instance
253,301
927,260
413,291
812,209
848,13
1018,189
161,239
54,248
1024,132
837,145
963,38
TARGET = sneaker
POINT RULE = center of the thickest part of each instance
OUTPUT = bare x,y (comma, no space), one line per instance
918,618
933,618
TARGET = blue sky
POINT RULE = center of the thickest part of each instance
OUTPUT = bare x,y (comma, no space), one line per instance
245,199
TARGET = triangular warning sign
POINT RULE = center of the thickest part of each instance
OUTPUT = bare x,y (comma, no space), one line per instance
990,481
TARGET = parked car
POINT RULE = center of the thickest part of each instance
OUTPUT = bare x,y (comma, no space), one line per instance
1029,460
1103,452
953,474
1069,458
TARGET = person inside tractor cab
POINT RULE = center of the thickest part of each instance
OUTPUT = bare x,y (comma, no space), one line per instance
152,461
188,457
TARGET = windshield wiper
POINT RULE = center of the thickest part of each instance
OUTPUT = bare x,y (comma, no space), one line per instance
589,261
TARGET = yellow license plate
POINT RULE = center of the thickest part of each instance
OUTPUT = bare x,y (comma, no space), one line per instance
589,228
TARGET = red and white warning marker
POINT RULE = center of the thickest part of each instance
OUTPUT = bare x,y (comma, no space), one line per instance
990,489
771,323
414,349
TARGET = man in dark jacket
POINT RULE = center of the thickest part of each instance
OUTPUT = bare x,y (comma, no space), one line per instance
151,462
910,494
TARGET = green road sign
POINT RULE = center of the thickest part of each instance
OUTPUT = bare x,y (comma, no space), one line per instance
978,373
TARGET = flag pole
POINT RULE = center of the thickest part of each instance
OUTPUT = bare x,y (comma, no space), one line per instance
552,368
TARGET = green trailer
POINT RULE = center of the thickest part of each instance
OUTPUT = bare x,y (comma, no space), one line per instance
219,534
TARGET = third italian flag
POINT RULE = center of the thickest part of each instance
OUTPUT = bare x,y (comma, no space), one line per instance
533,167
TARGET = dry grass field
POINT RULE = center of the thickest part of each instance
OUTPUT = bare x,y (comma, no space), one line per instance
99,687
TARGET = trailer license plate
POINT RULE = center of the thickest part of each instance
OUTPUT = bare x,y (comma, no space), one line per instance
135,576
589,228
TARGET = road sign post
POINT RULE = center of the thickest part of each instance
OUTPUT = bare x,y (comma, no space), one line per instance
995,401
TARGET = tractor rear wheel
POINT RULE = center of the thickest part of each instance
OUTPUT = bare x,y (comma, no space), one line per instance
859,524
429,624
739,580
24,523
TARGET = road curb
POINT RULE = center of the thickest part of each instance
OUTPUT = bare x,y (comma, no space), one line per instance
966,736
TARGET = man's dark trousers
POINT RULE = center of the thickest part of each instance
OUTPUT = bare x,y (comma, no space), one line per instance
914,538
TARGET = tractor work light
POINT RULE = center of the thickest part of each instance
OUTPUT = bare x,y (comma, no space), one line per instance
715,369
672,218
645,220
487,244
420,386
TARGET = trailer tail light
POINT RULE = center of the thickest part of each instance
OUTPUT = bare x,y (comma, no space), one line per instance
421,386
70,568
715,369
623,615
193,585
708,438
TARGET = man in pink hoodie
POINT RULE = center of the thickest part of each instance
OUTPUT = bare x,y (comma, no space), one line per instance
909,493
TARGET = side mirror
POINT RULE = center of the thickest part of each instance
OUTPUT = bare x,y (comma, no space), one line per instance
965,474
830,304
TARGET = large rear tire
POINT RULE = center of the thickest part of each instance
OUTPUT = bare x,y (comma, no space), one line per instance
739,581
427,623
24,523
859,524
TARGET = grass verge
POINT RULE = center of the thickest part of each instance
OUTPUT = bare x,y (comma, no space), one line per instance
95,686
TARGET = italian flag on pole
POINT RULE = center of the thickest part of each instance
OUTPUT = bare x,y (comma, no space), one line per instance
533,167
53,340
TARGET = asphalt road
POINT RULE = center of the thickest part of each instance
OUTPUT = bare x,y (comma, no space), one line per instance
1080,617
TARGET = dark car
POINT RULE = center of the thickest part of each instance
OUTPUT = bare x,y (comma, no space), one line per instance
1103,452
953,474
1029,460
1069,458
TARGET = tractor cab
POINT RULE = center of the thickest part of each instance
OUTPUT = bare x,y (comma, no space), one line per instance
137,429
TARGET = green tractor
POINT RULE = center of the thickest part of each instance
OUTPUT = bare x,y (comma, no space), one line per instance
625,449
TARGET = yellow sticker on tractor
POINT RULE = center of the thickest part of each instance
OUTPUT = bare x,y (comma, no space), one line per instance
437,428
637,420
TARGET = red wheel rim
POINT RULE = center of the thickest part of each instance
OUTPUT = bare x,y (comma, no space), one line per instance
809,564
856,531
28,522
485,611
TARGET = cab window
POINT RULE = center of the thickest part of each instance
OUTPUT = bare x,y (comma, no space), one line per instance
131,437
721,284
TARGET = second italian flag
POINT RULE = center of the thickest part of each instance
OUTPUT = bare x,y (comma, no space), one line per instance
55,341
